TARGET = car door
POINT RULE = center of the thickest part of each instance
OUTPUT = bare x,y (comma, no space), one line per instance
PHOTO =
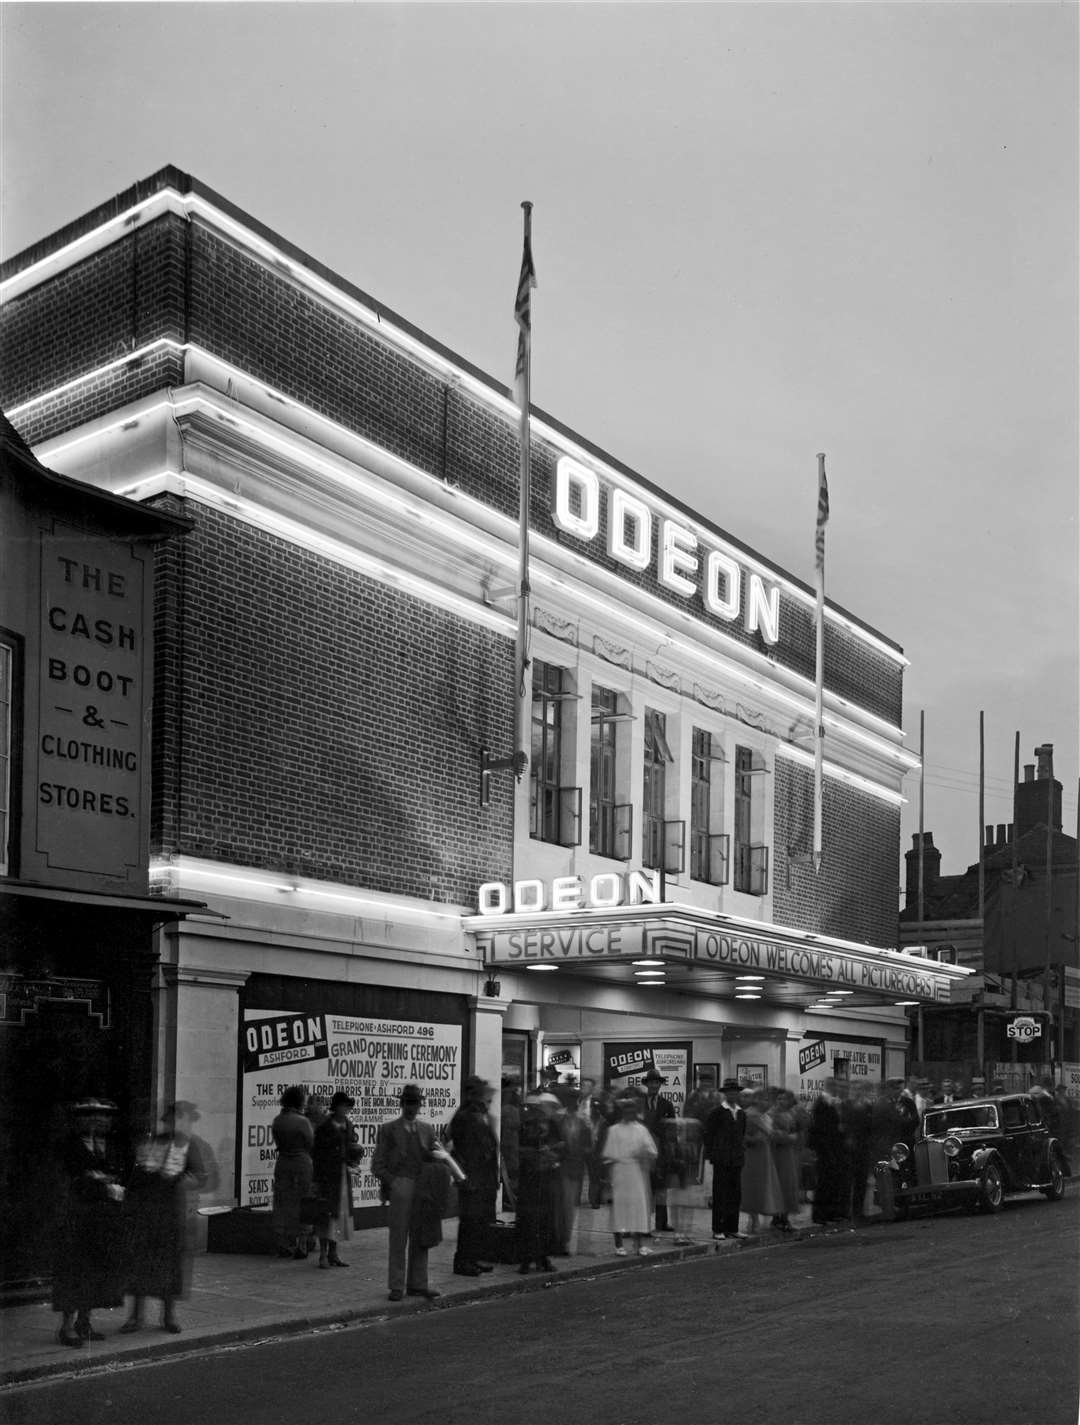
1014,1143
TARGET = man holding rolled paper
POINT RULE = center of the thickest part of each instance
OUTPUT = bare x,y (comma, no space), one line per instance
405,1149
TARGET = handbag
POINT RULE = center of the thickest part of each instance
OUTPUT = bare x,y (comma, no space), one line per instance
314,1209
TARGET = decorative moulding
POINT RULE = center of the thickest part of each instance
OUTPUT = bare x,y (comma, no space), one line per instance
612,653
666,677
560,628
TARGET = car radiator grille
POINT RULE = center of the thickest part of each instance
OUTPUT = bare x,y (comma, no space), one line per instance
931,1164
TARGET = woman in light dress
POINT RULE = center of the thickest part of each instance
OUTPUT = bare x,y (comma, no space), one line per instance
629,1152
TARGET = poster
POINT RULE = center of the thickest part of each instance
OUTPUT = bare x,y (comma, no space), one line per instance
626,1064
854,1064
369,1059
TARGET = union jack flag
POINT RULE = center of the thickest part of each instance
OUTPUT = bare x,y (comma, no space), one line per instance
822,520
523,314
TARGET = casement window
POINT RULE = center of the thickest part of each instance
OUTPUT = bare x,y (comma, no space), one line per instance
751,854
710,851
663,841
610,812
554,809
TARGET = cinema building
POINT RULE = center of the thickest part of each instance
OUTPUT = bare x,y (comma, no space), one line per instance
334,650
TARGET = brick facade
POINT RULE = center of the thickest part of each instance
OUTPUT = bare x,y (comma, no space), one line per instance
854,894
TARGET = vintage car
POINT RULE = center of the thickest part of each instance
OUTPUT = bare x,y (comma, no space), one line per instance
973,1154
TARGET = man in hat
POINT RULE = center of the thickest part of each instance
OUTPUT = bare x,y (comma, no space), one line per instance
476,1149
402,1147
656,1109
725,1131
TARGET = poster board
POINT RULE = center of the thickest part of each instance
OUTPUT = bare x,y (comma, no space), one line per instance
369,1059
626,1063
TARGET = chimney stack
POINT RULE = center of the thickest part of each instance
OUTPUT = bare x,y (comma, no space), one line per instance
931,870
1038,797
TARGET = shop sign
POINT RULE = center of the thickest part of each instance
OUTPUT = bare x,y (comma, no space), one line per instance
1072,987
682,565
1070,1077
626,1064
92,706
369,1059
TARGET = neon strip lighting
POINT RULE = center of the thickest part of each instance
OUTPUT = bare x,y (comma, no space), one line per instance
841,774
193,204
347,555
136,354
305,451
196,874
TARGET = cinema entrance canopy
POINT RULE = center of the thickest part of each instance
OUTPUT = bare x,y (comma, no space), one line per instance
687,950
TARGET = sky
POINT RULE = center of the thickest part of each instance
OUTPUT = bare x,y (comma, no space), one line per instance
760,231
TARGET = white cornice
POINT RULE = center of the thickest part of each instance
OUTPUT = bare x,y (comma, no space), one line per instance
195,206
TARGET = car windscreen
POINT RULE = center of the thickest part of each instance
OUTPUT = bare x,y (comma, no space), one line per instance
948,1120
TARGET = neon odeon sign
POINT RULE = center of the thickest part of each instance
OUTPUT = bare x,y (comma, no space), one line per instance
608,889
682,565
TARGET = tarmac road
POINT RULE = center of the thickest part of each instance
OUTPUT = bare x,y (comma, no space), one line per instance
948,1320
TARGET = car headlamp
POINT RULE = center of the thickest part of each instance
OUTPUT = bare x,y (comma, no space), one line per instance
951,1147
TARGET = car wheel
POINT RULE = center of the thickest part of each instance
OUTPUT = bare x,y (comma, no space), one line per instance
1056,1191
992,1188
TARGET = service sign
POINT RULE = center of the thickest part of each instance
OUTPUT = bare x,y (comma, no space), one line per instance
369,1059
93,707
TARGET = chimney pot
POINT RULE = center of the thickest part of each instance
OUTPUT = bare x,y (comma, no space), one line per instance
1000,834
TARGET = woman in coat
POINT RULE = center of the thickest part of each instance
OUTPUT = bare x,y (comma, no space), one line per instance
336,1150
760,1184
786,1143
88,1267
539,1203
293,1137
167,1167
630,1152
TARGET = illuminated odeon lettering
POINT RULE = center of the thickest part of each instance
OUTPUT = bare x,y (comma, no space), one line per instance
681,565
610,888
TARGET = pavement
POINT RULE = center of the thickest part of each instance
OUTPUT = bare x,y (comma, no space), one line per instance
236,1298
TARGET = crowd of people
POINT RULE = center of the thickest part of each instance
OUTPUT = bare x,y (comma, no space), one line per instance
630,1154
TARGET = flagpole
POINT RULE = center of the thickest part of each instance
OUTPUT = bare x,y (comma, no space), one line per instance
524,386
819,657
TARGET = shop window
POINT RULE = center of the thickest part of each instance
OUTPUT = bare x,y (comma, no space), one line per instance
610,812
751,854
710,850
8,753
663,841
554,809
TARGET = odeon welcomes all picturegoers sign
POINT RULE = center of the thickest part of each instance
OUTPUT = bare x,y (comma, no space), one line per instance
546,940
681,565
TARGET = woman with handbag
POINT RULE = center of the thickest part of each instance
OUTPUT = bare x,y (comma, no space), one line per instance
336,1150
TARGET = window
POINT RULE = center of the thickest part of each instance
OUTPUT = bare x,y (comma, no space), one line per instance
751,855
662,840
709,853
554,810
7,748
609,815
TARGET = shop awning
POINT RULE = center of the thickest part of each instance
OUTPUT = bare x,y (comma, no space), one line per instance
157,909
695,952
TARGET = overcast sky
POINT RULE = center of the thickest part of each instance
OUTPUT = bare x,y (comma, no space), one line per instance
761,231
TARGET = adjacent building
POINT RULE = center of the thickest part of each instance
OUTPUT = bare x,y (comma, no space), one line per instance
334,659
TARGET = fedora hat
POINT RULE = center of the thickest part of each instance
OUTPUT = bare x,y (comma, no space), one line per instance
731,1086
342,1100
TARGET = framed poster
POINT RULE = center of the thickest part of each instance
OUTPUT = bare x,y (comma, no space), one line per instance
753,1076
707,1071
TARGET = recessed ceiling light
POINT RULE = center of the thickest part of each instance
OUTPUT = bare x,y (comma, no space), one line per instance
749,977
648,974
651,984
747,995
841,992
905,1002
541,967
647,962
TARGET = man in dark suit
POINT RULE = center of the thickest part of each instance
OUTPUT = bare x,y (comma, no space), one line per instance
402,1147
656,1109
477,1150
725,1130
832,1180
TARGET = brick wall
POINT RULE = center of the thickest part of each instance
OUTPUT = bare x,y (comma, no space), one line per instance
179,279
314,721
855,894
